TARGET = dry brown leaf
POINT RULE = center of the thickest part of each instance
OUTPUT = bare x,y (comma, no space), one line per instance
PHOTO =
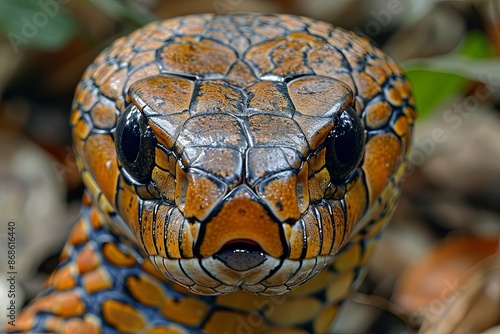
477,308
427,288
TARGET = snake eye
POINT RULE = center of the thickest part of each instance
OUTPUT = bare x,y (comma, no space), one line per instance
135,144
344,146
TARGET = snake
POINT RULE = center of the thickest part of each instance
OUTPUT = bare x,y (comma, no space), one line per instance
239,170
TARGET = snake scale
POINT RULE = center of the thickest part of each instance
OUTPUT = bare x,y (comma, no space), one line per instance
239,171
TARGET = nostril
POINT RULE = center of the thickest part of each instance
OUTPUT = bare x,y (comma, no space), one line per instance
241,254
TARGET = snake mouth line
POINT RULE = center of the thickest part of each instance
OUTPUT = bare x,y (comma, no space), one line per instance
241,254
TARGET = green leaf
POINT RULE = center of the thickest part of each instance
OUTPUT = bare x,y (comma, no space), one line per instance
476,45
431,88
479,70
438,79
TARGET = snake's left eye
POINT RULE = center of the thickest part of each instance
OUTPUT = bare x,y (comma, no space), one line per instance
345,146
135,144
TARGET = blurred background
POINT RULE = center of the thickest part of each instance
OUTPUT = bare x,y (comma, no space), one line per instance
438,264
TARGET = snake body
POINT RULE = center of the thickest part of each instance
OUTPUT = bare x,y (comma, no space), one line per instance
239,170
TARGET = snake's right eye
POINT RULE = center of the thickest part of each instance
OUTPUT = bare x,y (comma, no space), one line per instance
135,144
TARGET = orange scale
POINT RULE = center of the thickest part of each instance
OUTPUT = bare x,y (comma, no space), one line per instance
87,259
123,317
79,233
393,95
87,98
378,114
97,280
325,61
127,203
367,87
401,126
145,290
116,256
143,58
103,115
410,113
101,159
102,72
77,325
376,72
95,218
313,234
327,228
64,278
114,84
281,197
82,129
356,199
187,311
382,157
63,304
86,200
197,57
296,240
145,233
66,251
75,116
339,226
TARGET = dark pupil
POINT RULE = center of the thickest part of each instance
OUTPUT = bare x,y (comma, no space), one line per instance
344,146
131,139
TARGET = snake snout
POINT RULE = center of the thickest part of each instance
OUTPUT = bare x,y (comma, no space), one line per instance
241,255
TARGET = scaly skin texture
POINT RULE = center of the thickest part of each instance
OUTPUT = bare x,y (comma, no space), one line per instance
238,110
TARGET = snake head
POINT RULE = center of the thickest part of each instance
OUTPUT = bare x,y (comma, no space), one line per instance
236,189
235,166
